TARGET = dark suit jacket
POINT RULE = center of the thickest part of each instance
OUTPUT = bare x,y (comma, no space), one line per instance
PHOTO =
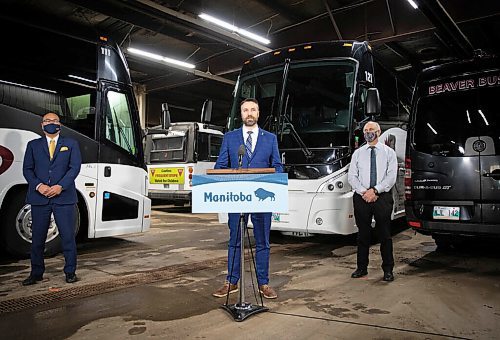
62,170
265,155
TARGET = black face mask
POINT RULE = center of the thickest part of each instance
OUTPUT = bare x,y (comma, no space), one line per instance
370,136
52,128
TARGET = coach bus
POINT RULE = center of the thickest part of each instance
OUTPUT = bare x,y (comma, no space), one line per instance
316,97
87,83
453,152
177,152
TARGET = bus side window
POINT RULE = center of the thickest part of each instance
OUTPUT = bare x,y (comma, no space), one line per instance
215,144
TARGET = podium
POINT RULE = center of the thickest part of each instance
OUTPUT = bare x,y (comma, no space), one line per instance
242,191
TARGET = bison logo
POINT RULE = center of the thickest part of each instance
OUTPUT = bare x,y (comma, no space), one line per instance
262,194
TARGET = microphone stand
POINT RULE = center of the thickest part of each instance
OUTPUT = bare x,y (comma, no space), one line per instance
241,310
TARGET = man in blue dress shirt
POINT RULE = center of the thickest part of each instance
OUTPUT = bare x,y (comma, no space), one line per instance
372,174
261,151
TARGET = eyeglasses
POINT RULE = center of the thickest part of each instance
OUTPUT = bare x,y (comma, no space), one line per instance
51,120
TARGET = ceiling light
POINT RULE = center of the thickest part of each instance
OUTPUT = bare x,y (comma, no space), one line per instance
81,78
159,57
413,4
234,29
432,129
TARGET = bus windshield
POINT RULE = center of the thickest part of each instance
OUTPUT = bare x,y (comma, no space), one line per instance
317,102
445,121
170,148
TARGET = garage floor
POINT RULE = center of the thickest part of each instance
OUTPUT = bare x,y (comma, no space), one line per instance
159,285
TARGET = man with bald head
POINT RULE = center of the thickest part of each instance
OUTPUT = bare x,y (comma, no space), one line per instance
372,174
51,164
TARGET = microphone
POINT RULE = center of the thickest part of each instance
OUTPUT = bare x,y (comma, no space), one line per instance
241,152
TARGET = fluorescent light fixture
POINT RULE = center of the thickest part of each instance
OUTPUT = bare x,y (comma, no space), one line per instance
468,116
413,4
234,29
159,57
81,78
484,118
430,127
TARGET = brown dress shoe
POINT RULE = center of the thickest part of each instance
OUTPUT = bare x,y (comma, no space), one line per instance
268,292
222,291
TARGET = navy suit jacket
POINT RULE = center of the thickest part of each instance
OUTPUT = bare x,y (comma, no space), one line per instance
62,170
265,155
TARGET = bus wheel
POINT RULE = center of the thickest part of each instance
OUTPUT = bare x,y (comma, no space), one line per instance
17,232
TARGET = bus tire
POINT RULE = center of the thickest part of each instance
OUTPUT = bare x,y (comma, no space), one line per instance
16,233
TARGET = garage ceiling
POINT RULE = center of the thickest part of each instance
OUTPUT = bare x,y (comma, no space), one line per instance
404,39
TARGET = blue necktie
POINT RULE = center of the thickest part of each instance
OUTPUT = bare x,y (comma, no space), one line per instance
248,144
373,168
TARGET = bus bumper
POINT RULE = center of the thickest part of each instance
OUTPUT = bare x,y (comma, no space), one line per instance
173,195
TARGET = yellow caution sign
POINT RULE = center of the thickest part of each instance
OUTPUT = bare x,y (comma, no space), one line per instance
166,175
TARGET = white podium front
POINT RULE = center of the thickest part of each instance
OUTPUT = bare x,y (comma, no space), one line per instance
241,191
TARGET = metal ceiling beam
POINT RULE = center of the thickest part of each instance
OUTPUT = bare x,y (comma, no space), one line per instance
150,15
194,72
405,55
332,19
410,34
282,10
205,28
447,27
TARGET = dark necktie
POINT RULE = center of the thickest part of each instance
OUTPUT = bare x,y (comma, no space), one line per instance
248,144
373,167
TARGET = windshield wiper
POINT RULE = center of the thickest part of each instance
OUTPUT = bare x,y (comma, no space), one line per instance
122,133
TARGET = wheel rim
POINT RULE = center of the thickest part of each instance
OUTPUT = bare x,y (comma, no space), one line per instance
23,225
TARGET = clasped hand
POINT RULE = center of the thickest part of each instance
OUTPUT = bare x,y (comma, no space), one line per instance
50,191
369,196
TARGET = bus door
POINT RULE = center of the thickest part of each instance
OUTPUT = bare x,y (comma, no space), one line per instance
121,177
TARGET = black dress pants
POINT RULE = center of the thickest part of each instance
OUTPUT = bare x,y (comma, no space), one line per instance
363,213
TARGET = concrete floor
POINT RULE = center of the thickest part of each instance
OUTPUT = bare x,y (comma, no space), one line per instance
159,285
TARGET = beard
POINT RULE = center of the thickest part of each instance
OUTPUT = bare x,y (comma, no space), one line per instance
250,121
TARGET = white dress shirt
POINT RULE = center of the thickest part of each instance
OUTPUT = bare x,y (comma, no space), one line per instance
359,169
56,138
255,135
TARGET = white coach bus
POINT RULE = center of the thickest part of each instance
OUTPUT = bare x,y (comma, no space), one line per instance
177,152
316,97
87,83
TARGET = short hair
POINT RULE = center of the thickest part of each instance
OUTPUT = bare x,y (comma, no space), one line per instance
251,100
51,112
377,125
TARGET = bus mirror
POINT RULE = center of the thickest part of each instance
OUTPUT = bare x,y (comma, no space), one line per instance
206,111
372,103
165,117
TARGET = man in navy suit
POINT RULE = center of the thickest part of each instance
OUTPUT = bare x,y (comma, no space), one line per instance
261,151
51,164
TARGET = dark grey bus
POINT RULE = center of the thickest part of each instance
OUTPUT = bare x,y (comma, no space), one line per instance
452,180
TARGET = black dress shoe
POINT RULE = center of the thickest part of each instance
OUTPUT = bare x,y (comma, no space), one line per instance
359,273
71,278
31,280
388,276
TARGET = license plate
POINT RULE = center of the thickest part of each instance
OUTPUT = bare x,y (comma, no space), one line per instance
446,213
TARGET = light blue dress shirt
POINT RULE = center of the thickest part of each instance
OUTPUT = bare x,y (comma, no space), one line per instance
359,169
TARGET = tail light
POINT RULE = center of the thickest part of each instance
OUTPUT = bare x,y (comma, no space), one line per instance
408,194
415,224
190,176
